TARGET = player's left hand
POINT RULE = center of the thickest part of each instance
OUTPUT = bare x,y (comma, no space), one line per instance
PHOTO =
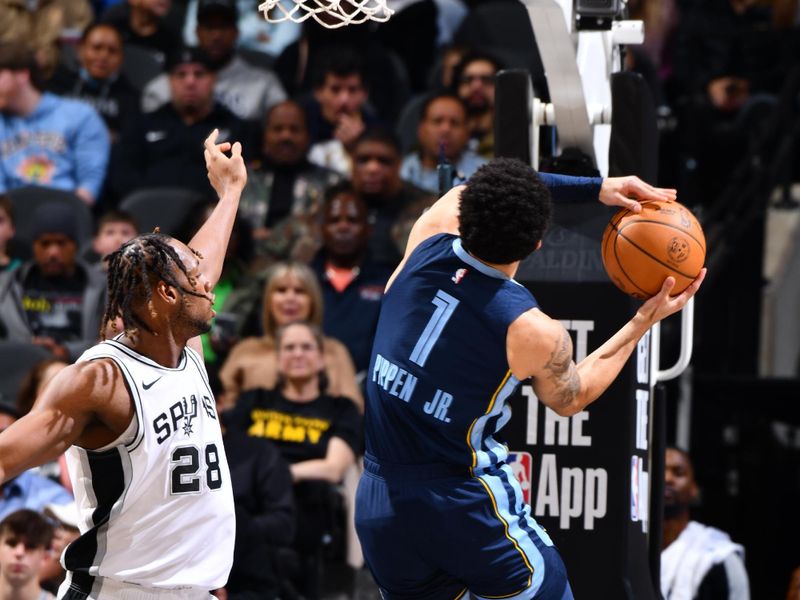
227,174
628,192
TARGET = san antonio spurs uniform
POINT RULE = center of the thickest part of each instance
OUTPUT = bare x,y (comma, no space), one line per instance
156,506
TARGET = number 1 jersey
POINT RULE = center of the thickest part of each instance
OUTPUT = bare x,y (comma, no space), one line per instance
438,381
156,506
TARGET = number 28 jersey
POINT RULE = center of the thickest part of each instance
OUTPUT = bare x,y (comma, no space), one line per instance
156,506
438,381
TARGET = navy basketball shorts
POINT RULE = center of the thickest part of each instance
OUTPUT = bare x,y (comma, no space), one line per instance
434,533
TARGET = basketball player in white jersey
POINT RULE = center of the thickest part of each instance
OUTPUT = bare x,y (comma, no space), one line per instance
136,417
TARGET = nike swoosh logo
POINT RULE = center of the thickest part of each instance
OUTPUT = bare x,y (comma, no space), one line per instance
147,386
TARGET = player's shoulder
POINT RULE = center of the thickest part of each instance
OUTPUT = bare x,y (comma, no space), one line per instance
89,382
533,331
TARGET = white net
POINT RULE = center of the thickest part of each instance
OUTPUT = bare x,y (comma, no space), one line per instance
328,13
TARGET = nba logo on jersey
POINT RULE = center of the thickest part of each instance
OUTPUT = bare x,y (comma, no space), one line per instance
459,276
521,464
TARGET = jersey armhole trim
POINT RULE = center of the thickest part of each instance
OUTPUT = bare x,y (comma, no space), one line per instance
133,393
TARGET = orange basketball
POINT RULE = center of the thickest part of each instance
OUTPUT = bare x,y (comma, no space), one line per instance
641,250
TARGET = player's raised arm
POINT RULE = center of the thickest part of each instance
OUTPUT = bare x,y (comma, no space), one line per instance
442,217
540,347
228,176
70,410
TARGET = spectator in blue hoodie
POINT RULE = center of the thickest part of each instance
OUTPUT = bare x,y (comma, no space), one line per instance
45,139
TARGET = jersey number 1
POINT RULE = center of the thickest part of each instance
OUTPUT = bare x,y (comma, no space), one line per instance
445,306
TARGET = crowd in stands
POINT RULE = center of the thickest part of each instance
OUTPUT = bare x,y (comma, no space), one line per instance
342,131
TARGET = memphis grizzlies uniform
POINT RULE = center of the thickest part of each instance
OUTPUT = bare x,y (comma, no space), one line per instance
155,506
438,511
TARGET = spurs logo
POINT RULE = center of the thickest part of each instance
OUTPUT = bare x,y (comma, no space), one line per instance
188,415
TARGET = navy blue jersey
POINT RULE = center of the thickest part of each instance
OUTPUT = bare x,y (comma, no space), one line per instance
439,380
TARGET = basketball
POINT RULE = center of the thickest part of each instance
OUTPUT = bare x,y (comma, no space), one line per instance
641,250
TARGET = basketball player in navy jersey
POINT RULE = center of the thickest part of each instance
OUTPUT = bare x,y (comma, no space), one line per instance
136,417
439,513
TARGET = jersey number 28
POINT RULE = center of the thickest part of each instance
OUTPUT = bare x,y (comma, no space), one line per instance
185,476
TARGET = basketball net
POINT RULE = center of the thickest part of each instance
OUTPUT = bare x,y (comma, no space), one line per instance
328,13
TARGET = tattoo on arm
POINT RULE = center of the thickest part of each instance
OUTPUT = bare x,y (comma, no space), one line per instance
562,371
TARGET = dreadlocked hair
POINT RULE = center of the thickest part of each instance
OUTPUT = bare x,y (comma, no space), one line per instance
133,270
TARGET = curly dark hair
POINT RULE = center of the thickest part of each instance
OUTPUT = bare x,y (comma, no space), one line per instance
133,272
505,209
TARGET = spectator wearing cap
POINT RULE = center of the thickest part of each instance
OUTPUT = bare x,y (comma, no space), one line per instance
54,301
256,34
247,91
143,23
44,139
98,79
161,147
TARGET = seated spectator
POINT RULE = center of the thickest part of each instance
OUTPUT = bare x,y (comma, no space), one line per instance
297,64
255,32
442,134
47,140
65,531
143,23
265,516
338,112
282,198
247,91
392,203
290,294
160,149
55,300
98,80
352,283
474,84
697,562
112,230
25,543
318,433
7,233
40,25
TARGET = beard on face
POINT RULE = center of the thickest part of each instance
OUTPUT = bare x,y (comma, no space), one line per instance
195,324
674,506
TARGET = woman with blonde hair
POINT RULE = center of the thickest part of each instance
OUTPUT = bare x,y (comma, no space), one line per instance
291,294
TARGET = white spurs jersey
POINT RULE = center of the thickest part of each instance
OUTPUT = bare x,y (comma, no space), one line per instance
156,506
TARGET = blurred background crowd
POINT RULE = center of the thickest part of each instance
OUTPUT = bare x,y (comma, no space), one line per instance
105,105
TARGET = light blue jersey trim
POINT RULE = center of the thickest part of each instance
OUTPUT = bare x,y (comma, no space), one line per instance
485,446
511,509
475,263
458,248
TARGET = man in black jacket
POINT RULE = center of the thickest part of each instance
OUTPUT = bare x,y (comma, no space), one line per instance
160,148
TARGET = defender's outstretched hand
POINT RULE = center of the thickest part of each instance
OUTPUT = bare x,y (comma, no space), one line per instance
628,192
663,305
226,173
